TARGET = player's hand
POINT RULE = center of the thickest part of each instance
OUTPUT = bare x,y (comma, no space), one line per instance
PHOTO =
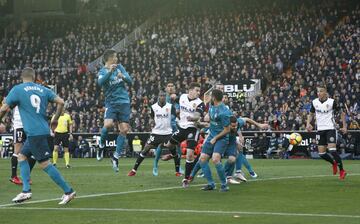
213,141
113,67
309,127
53,125
120,75
343,130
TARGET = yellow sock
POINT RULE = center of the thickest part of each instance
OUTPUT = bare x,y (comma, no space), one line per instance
55,156
67,158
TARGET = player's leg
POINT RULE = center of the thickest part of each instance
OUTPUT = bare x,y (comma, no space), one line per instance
14,163
156,160
331,139
55,154
150,144
192,139
175,139
205,155
65,144
322,142
219,150
41,151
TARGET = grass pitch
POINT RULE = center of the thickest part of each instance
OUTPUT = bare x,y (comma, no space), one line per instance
287,191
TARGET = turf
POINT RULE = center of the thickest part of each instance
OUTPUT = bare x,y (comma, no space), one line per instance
287,191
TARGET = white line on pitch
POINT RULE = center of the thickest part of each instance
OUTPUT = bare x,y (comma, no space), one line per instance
189,211
167,188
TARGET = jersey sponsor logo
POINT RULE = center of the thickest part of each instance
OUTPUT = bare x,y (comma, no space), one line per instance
332,139
162,116
115,81
186,109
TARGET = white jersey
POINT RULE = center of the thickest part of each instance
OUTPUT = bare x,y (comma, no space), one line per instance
324,112
17,123
162,117
187,109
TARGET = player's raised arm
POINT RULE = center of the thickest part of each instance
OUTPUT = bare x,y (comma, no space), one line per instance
124,74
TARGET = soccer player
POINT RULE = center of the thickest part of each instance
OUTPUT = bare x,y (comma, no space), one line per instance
32,100
19,139
236,141
112,78
164,114
191,110
324,108
172,99
217,141
62,137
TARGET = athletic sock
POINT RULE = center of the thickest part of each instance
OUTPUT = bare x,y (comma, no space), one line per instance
229,168
188,168
196,169
67,158
338,159
119,145
239,161
157,156
177,163
103,136
55,157
139,161
207,172
221,173
57,178
14,163
247,164
25,175
326,157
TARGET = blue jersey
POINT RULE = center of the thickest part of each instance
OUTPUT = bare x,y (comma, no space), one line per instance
114,87
233,134
219,118
32,100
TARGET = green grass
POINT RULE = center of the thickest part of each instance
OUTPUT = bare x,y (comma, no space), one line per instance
148,199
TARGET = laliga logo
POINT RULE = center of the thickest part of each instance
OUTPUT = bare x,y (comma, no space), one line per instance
107,144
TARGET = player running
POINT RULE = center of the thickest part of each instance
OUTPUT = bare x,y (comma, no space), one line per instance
112,78
62,137
164,114
32,100
324,108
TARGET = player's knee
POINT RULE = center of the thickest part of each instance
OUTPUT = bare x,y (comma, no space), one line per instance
231,159
190,154
44,164
203,158
216,158
21,157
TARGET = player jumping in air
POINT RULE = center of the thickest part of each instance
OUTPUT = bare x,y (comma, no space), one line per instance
112,78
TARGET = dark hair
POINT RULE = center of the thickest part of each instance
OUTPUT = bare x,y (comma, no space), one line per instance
217,94
323,86
193,85
233,119
28,73
108,54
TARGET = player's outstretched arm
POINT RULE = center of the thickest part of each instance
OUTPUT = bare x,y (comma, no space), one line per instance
251,121
3,110
224,132
343,120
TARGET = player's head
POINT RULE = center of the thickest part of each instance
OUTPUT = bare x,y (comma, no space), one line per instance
216,96
170,87
219,86
233,123
162,97
321,91
28,74
225,98
110,56
194,90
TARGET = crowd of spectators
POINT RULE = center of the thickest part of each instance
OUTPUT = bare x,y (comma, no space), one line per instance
289,48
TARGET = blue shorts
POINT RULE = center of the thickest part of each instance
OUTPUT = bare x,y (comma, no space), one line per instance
231,149
219,147
120,113
38,147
